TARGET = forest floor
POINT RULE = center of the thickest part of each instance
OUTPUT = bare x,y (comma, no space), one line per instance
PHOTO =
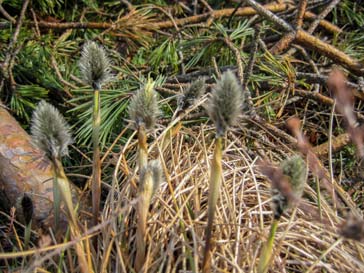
300,67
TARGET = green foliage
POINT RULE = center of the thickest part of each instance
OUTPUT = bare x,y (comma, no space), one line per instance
165,56
34,65
203,46
25,98
350,12
44,6
114,106
277,70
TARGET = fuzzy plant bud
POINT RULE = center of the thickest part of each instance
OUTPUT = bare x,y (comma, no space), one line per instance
94,65
151,177
143,108
295,170
191,94
226,102
50,131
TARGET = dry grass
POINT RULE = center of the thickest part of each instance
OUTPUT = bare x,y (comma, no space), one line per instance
178,214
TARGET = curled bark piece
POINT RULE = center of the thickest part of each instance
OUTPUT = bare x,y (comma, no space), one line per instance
25,170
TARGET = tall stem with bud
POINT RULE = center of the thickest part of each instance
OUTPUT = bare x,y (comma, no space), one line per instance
224,109
51,134
95,69
96,164
288,183
143,111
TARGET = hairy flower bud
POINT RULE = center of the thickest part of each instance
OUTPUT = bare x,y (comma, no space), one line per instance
143,108
226,102
191,94
50,131
94,65
295,170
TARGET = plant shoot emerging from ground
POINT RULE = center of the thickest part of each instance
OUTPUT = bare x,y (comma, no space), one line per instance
150,179
95,70
143,111
51,134
288,183
224,108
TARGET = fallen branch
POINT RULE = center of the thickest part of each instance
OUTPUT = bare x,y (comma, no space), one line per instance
25,170
337,143
304,38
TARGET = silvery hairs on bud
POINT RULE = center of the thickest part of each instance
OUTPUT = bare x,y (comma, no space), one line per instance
224,106
155,171
191,94
143,107
295,170
50,131
94,65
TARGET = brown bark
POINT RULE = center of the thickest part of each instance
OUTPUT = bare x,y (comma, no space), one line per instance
330,51
25,170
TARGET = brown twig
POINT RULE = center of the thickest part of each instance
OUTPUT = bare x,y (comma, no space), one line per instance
7,15
301,12
337,143
283,43
236,51
289,37
246,11
37,30
61,79
304,38
323,23
6,65
249,71
322,15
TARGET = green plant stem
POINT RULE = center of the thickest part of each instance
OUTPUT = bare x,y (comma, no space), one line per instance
96,164
266,254
142,148
215,181
65,191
